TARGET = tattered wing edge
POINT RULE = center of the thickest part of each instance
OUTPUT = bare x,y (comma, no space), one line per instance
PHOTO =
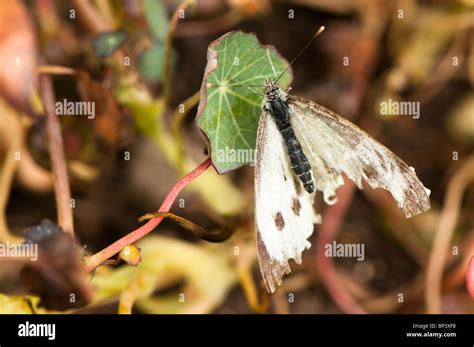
271,270
420,195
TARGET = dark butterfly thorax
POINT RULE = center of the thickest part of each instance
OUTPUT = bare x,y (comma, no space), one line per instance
280,111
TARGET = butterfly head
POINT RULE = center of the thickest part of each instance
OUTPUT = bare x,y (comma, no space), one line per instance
271,90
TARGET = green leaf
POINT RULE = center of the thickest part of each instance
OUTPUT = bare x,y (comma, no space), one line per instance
157,19
228,111
107,43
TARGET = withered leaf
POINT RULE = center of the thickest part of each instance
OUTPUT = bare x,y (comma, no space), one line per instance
58,275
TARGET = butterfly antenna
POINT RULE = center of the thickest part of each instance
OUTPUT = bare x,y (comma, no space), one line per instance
320,30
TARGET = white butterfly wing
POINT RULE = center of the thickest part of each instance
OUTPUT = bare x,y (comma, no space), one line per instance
284,211
334,146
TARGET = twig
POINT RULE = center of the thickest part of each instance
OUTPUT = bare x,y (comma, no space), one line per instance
91,17
470,278
457,275
217,237
332,220
255,295
167,58
62,190
31,175
251,291
55,70
387,303
95,260
447,222
280,302
105,10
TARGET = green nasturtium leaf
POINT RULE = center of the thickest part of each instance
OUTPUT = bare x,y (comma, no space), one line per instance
105,44
228,111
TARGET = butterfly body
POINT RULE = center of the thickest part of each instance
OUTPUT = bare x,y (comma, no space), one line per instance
277,106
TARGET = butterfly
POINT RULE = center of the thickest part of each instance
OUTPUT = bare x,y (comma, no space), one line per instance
302,148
